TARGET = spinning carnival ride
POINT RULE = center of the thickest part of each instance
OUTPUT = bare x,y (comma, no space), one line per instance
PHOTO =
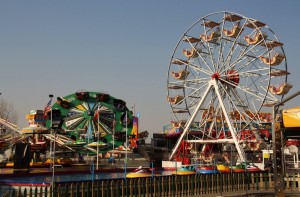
225,70
89,115
83,122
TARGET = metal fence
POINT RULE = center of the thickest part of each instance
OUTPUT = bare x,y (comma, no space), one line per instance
162,186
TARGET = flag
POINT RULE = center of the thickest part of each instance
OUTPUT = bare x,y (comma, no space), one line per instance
96,114
47,108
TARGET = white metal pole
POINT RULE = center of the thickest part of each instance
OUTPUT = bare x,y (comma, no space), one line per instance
54,153
114,132
51,141
125,169
98,140
51,133
126,137
53,166
113,138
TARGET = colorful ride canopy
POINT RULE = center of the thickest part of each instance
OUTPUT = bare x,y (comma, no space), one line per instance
87,116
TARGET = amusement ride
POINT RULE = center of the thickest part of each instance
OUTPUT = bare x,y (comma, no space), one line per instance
79,124
225,73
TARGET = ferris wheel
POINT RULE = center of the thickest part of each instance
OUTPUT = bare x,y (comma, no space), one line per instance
225,70
87,114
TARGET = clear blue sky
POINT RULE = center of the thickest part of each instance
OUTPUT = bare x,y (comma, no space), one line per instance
120,47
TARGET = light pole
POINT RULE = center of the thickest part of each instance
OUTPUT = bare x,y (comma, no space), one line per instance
126,144
53,167
98,138
51,152
113,136
51,133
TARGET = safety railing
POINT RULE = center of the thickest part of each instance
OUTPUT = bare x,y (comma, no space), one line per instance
162,186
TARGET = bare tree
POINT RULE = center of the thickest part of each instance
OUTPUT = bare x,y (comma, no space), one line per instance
7,112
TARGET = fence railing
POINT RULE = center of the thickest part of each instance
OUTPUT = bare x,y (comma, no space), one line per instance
162,186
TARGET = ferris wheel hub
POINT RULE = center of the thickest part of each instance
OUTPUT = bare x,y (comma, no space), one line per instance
215,76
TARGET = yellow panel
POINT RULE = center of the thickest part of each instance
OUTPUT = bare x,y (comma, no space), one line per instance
291,117
81,107
266,155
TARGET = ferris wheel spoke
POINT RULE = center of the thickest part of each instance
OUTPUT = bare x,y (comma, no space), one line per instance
194,75
254,73
219,52
253,77
245,89
244,55
253,83
241,103
201,60
224,62
242,66
249,75
200,52
195,67
229,58
208,47
198,80
195,94
269,96
232,65
223,57
226,94
236,116
234,46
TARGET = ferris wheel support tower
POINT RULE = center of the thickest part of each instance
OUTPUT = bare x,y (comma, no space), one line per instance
212,84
